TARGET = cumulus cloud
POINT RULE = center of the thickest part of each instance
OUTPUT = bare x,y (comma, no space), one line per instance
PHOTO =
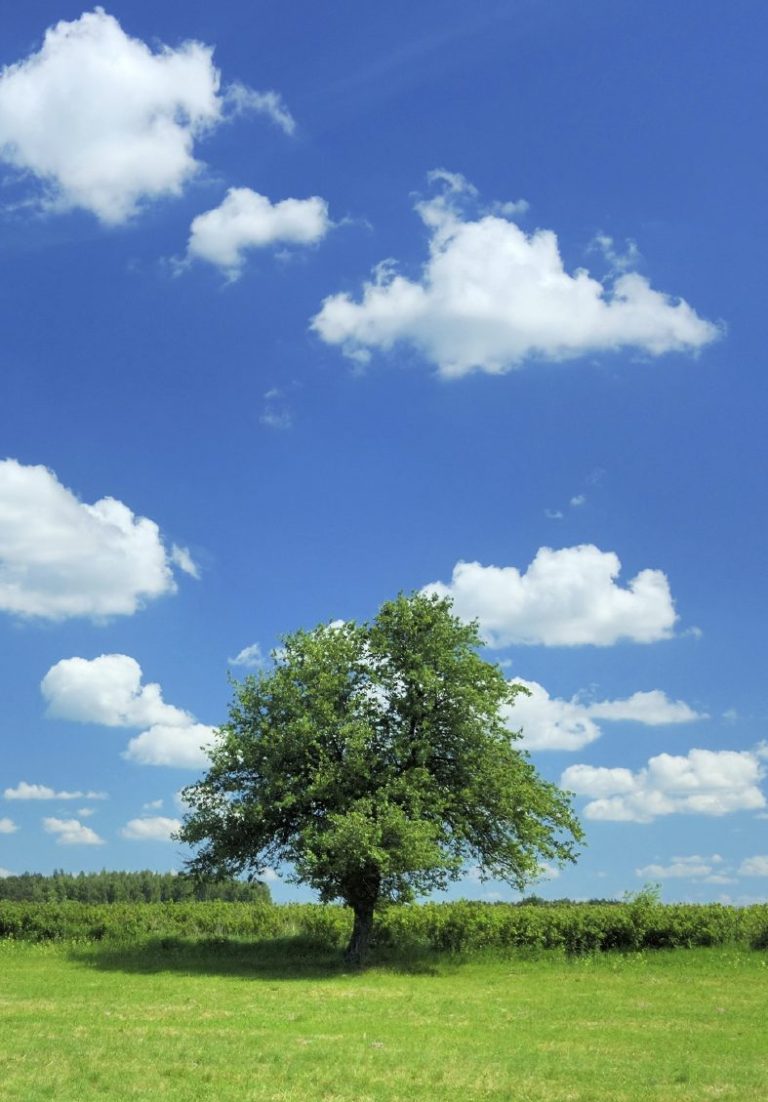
246,220
5,873
492,296
549,723
686,868
565,598
25,791
7,826
754,866
60,557
182,746
107,124
702,782
102,120
654,709
108,690
151,829
71,832
250,657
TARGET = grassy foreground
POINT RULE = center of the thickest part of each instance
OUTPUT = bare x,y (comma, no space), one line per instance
184,1022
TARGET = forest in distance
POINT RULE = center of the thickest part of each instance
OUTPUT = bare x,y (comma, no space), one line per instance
146,886
143,886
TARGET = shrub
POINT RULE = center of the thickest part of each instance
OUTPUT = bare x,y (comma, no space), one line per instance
455,927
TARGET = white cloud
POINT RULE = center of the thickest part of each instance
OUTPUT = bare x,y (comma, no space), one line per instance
276,414
108,690
71,832
60,557
181,557
106,124
577,500
240,100
654,709
683,868
250,657
703,782
492,296
180,746
85,812
246,220
4,874
619,262
547,872
102,120
153,805
754,866
566,597
596,780
7,826
280,419
151,829
549,723
25,791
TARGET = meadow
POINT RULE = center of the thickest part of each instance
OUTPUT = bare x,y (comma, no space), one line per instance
282,1020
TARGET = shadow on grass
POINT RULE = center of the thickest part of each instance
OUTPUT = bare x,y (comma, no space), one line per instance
286,958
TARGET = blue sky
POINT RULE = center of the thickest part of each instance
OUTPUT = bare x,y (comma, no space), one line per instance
309,304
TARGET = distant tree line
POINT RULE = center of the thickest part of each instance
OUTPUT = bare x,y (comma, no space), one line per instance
538,901
128,887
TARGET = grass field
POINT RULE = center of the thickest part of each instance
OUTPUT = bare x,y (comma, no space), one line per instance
179,1021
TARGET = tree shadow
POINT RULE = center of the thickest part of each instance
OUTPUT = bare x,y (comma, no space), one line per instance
285,958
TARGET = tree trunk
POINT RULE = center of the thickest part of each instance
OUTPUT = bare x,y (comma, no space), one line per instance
357,950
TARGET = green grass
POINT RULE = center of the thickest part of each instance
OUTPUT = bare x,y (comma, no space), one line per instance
179,1021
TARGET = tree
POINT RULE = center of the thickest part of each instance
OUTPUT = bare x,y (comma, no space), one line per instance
375,759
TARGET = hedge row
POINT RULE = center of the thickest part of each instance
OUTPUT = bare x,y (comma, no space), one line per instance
71,920
578,927
453,927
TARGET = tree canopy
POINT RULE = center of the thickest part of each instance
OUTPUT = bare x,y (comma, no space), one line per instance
375,759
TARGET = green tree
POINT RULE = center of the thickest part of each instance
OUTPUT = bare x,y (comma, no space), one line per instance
375,760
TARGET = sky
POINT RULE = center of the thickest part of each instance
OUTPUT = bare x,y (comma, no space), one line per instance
307,305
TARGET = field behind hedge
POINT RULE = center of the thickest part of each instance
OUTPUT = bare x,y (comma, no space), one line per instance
454,927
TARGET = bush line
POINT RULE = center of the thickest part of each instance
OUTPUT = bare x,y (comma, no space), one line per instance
450,927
